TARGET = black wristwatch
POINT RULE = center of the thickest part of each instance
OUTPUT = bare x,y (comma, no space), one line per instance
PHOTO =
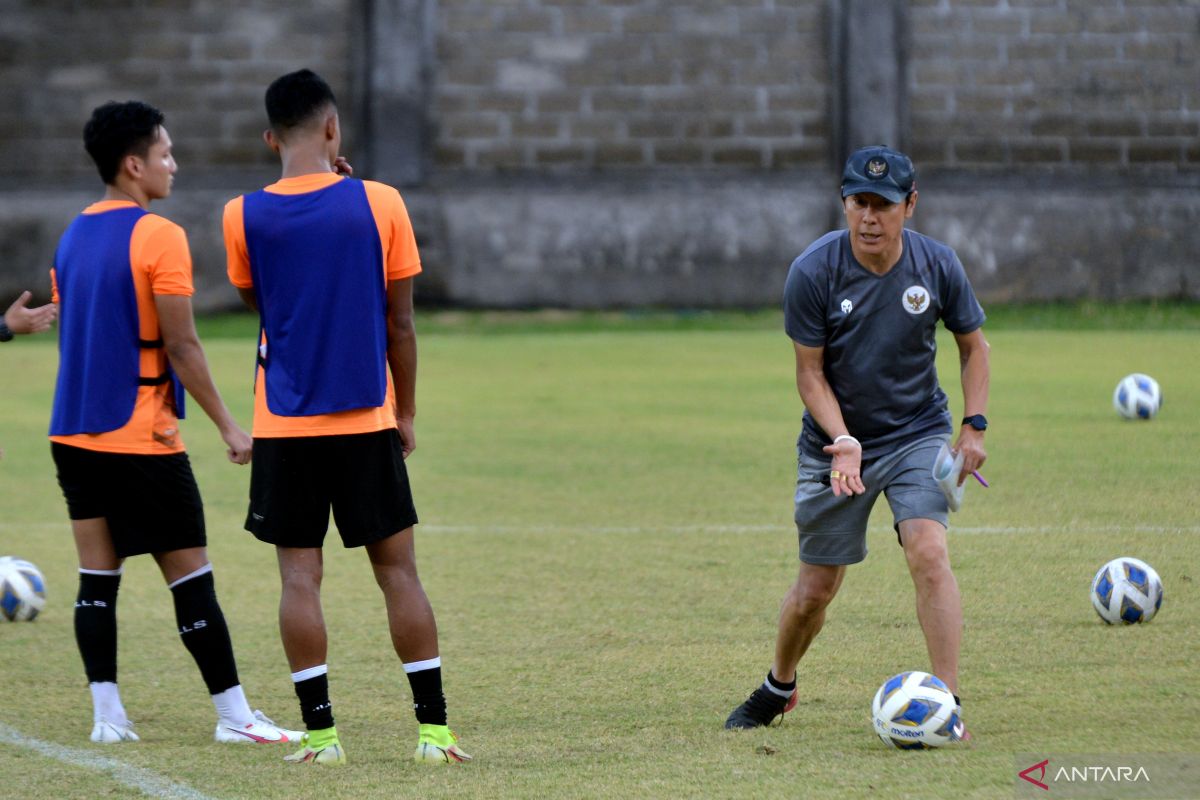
976,421
6,335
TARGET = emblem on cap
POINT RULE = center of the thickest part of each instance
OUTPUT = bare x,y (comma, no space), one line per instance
877,168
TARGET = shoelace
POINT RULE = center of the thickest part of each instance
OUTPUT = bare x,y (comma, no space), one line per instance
453,741
106,721
766,706
263,718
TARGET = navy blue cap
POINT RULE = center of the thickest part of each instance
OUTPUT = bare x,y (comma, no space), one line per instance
879,170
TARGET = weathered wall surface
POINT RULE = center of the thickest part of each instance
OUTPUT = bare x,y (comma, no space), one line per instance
561,84
594,153
206,64
1079,83
711,243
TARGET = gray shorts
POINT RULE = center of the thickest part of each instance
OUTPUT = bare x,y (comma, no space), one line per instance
833,530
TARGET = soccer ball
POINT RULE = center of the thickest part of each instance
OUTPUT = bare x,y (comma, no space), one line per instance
1137,396
22,589
915,710
1126,590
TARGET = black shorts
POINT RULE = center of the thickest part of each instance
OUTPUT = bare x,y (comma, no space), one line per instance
151,503
294,481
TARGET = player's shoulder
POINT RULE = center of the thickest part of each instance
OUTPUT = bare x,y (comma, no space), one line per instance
821,255
235,203
929,249
380,189
385,200
383,194
152,224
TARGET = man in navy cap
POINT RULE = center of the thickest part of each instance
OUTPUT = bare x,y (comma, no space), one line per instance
861,306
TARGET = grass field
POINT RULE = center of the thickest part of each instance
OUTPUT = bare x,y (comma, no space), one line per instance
606,534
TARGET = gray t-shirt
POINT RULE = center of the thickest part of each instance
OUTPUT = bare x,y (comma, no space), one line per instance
878,332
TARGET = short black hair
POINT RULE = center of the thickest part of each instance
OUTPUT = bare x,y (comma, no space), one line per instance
295,98
117,130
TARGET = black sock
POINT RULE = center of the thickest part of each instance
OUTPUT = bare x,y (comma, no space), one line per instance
315,708
96,625
204,633
429,703
779,686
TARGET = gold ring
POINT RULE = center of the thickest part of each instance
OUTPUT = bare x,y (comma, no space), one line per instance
833,473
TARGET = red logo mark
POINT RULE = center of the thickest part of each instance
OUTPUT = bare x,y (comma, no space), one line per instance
1041,767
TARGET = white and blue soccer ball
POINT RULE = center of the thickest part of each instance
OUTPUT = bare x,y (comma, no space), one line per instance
22,589
1137,396
1127,591
915,711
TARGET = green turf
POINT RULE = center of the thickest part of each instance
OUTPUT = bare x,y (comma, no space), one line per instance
1149,315
606,537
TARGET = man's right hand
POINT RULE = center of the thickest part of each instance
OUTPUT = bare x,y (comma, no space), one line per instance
408,437
240,445
845,475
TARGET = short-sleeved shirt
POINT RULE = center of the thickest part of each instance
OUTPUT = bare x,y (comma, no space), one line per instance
161,265
400,260
879,335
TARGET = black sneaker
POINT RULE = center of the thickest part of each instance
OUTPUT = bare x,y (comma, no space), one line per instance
760,709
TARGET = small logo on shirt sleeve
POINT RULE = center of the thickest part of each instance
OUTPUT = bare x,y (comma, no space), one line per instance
847,306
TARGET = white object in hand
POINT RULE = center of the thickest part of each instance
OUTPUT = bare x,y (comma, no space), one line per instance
946,469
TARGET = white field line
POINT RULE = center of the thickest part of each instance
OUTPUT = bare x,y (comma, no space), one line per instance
147,782
786,528
718,529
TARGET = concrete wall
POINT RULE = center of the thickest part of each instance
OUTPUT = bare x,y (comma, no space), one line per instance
714,241
598,153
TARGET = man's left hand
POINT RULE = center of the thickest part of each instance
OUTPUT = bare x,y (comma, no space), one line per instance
970,444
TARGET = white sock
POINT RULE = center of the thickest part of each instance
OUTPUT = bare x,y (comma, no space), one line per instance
193,574
106,702
310,672
421,666
232,706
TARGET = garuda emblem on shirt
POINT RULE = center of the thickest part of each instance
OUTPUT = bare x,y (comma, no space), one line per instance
915,299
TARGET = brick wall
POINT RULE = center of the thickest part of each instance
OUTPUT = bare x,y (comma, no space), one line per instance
205,64
631,83
565,84
993,83
999,83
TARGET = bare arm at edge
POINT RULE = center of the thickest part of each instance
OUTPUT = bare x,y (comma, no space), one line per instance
974,356
402,358
21,319
183,348
821,402
248,298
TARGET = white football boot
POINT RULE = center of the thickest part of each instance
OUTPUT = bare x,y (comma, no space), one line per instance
261,731
107,732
